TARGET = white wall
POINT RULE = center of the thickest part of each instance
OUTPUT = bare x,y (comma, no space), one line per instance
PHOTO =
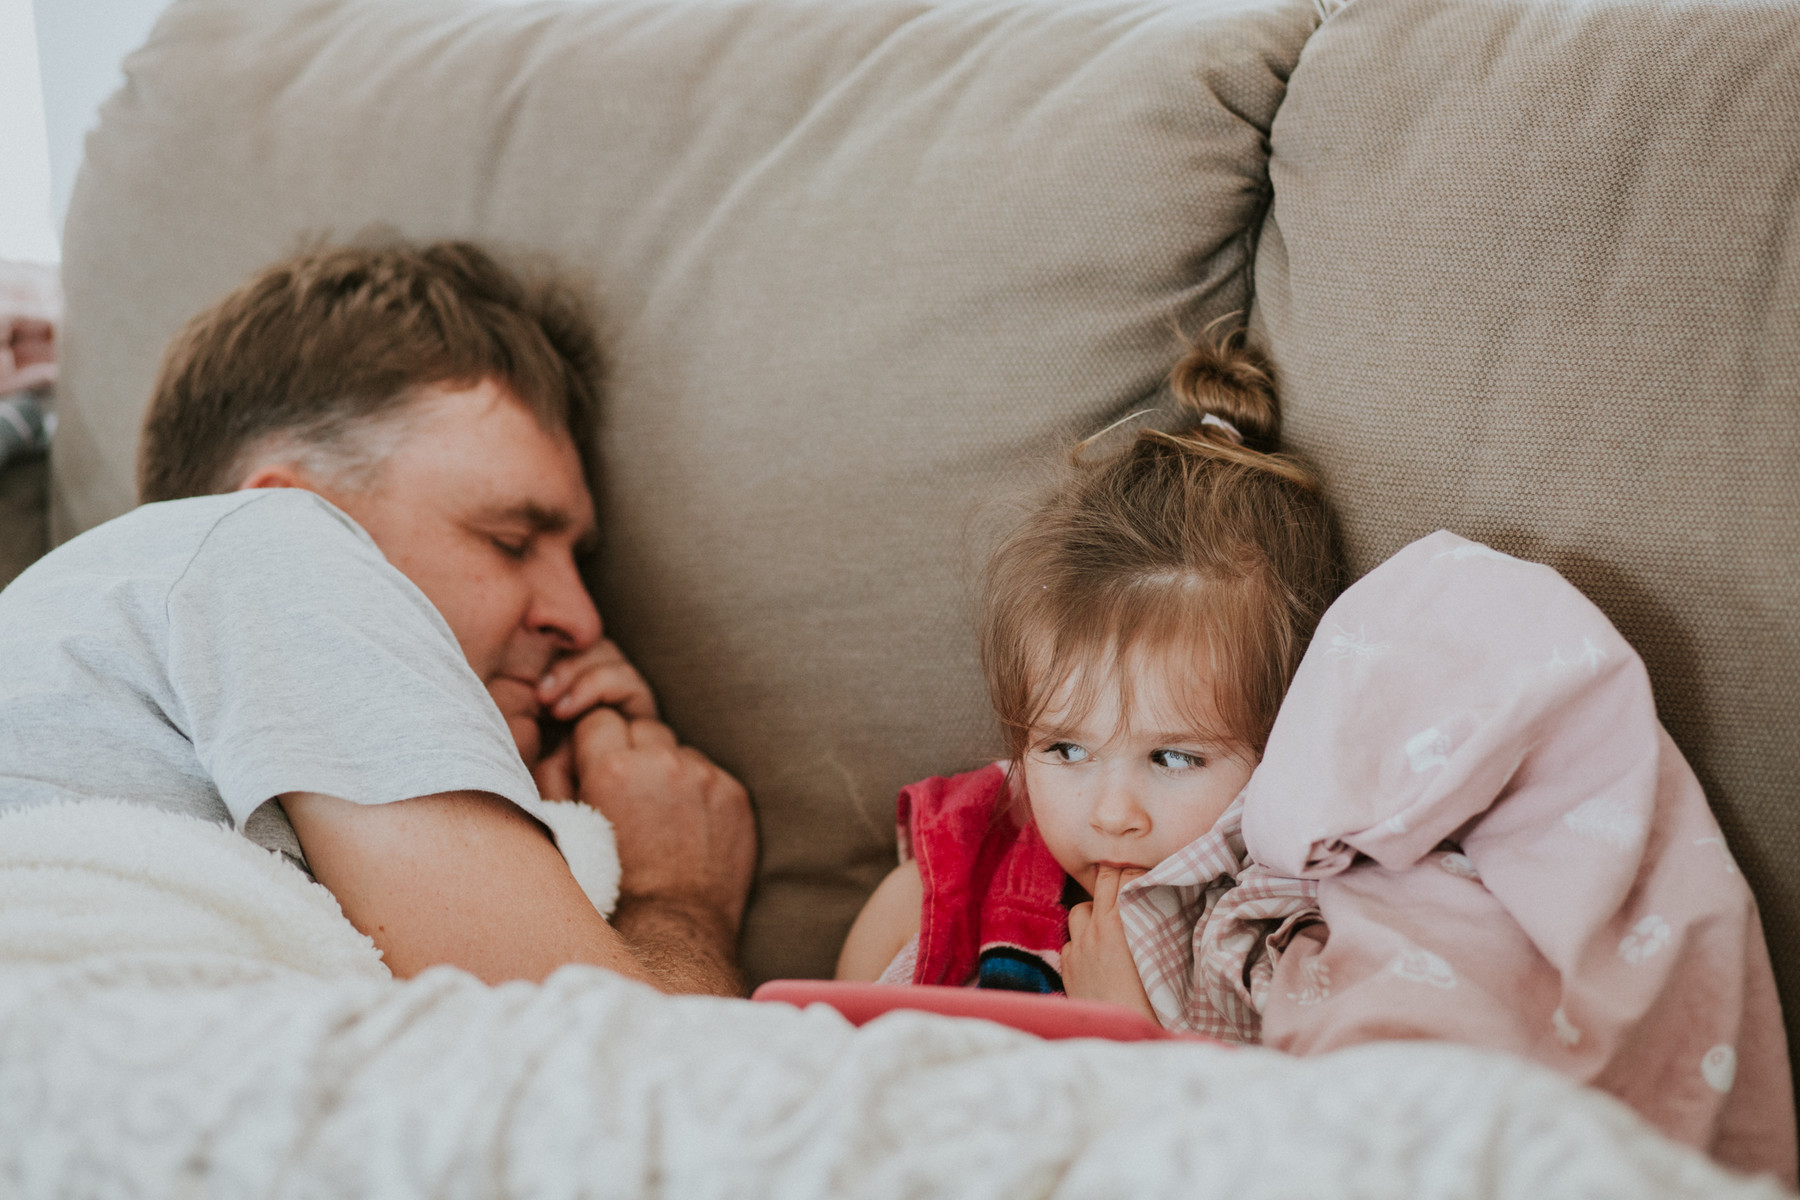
59,59
26,230
80,44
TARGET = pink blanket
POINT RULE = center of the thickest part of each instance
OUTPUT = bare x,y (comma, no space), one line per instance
1512,853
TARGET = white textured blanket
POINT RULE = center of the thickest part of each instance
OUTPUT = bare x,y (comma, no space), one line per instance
154,1042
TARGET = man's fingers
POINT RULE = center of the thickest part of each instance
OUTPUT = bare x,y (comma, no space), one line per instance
563,671
599,733
616,685
600,674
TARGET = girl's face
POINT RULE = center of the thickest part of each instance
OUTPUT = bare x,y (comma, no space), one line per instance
1106,794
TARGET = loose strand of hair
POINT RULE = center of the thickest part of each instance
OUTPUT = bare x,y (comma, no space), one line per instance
1216,446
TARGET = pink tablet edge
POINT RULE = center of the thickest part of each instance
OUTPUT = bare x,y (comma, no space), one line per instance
1050,1017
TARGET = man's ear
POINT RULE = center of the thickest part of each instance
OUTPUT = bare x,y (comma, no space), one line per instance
278,475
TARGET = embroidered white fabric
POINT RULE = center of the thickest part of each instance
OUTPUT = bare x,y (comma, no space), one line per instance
905,964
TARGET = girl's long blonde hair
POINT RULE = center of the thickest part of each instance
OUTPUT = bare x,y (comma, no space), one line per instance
1183,542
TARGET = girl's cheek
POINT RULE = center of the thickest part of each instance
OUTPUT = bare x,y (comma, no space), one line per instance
1063,846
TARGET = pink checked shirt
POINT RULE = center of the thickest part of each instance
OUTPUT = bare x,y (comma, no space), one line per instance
1206,928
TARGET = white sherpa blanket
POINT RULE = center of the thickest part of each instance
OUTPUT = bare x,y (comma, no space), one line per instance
157,1042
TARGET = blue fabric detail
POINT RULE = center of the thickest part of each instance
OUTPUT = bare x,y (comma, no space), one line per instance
1009,969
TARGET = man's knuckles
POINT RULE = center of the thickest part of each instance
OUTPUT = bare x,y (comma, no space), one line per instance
647,733
602,726
633,770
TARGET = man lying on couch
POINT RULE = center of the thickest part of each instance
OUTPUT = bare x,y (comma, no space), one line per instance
356,604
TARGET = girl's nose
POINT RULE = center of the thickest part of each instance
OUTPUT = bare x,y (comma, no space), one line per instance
1117,813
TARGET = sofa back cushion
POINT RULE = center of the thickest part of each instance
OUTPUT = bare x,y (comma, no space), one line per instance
1532,272
853,265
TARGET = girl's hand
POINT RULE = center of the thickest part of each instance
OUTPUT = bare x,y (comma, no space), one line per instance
597,677
1097,962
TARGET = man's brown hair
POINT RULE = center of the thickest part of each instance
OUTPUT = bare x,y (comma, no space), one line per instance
320,351
1201,544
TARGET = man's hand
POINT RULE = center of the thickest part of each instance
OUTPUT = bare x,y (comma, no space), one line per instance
1097,962
687,847
685,833
573,686
600,675
684,826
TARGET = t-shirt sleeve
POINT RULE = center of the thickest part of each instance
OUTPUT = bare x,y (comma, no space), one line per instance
301,660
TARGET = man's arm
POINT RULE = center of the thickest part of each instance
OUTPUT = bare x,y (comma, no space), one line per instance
685,948
462,878
467,879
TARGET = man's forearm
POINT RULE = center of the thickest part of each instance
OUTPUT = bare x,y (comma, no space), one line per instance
462,878
685,947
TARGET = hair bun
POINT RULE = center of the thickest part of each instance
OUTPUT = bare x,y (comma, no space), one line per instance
1234,382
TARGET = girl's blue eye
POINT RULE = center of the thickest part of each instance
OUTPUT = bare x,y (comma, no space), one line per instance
1176,760
1067,752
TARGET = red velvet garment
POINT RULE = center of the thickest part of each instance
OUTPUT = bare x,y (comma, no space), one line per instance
992,888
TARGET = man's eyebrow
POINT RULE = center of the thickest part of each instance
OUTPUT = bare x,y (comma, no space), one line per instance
544,520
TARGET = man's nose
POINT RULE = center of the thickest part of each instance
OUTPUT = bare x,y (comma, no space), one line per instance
1117,812
563,609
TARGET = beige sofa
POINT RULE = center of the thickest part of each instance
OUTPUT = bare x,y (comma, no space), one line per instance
1530,271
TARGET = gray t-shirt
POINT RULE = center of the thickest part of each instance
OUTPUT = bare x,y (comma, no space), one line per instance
207,655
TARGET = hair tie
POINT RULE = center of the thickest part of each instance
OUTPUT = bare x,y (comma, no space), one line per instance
1231,431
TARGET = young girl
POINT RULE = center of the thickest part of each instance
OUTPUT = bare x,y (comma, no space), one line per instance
1138,631
1465,823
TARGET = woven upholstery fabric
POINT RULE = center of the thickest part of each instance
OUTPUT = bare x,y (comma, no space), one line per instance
1532,273
853,264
